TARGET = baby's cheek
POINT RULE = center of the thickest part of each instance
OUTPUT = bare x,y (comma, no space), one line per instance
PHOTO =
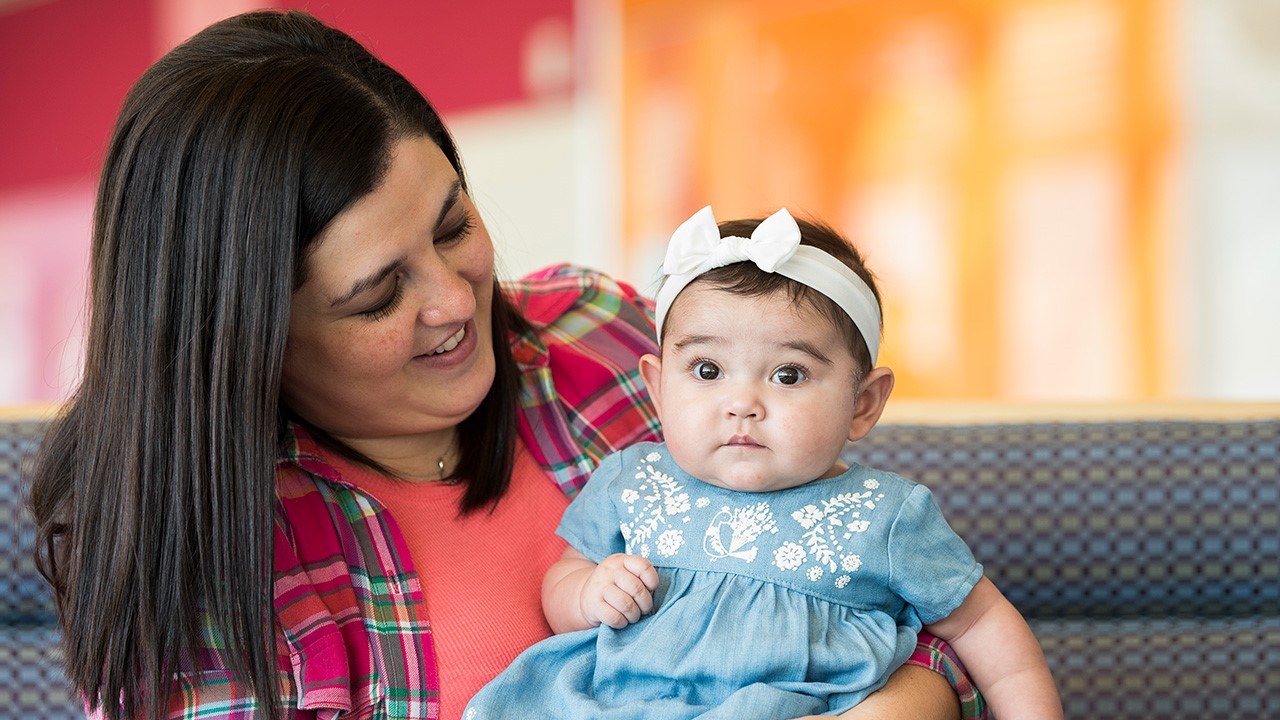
683,448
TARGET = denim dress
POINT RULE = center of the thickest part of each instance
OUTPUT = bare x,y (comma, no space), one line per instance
769,605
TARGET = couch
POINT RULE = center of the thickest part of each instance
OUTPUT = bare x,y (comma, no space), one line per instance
1142,543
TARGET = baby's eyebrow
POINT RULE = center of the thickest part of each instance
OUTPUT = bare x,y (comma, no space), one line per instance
691,340
808,349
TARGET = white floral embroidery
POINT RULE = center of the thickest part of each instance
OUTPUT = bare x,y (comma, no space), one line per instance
656,497
669,542
858,526
842,581
732,530
703,502
471,714
826,527
871,483
789,557
677,504
807,516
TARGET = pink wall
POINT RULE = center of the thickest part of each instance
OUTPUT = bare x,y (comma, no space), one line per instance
67,65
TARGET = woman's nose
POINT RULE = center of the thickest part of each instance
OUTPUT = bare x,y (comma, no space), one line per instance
447,297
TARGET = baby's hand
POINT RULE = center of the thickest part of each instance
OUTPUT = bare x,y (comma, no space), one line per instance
619,591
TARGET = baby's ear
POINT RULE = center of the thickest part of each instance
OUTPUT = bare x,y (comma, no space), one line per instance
870,403
651,372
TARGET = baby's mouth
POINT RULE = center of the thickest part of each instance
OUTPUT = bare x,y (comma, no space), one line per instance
451,343
742,441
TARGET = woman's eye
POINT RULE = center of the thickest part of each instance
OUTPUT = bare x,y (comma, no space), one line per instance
459,231
788,375
706,370
387,306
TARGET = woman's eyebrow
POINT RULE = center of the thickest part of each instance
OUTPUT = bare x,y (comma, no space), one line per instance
369,282
450,200
376,278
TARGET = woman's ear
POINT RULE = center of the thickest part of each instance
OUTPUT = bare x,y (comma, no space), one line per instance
870,402
651,372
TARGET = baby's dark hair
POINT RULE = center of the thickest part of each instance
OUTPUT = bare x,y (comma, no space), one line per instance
744,278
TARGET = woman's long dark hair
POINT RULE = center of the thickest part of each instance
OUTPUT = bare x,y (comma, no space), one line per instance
154,492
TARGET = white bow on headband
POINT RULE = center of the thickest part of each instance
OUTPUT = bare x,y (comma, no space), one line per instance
774,247
697,246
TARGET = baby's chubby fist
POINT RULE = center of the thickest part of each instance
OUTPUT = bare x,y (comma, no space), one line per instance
619,591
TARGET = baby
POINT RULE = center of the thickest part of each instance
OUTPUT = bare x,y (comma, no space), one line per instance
739,569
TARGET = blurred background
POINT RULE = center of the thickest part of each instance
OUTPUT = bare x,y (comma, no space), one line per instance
1064,200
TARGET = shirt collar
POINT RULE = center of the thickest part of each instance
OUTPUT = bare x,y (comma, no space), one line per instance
302,450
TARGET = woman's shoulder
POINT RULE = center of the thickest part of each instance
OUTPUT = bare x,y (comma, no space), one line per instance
546,296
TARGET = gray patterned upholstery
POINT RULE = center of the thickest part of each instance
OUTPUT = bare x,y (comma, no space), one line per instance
1145,554
31,681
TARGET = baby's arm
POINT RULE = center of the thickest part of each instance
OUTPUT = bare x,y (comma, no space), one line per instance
578,594
1001,654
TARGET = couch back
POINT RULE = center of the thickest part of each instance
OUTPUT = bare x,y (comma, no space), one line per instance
31,681
1145,553
1112,519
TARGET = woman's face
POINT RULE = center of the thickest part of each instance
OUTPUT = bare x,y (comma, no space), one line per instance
390,338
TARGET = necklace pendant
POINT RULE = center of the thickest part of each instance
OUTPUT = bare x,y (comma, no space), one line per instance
448,481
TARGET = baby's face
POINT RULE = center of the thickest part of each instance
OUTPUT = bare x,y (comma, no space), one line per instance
754,393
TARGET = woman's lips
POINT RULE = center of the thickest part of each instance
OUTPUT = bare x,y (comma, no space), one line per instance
452,352
451,343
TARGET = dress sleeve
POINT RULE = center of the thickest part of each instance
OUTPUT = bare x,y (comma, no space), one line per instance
590,523
927,555
930,566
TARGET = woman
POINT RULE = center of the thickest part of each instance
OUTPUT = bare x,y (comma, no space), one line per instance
310,419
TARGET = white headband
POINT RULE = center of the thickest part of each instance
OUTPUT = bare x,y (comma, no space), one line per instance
774,246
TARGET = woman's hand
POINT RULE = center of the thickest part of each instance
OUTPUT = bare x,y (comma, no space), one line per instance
618,591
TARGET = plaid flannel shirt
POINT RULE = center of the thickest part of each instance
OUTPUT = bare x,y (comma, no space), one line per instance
353,640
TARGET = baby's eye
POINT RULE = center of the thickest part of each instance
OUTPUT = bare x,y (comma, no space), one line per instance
788,375
706,370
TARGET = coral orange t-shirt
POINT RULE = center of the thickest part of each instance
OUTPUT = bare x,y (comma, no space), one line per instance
482,573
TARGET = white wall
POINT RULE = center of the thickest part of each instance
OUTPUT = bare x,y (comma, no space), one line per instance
1231,207
545,174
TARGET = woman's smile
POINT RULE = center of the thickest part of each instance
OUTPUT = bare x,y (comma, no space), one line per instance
452,352
451,343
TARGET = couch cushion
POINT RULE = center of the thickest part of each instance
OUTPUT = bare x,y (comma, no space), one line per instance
25,598
1167,668
1130,519
31,681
